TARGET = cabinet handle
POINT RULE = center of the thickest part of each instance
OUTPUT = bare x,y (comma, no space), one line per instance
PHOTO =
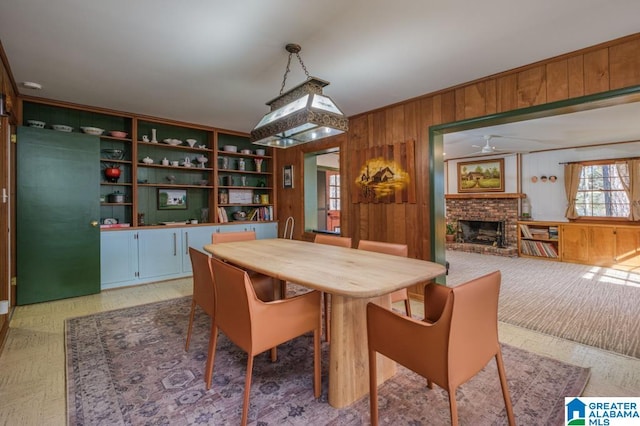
175,248
186,246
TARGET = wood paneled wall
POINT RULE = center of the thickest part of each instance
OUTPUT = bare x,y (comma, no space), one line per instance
608,66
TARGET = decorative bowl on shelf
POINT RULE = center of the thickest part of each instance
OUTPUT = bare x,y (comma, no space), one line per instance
240,215
94,131
62,128
118,134
203,182
246,151
230,148
113,154
202,159
37,124
172,142
147,160
192,142
260,152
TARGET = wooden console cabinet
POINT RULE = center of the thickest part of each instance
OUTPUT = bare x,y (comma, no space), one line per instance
590,244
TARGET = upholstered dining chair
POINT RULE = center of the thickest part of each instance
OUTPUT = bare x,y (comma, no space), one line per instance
332,240
203,293
264,285
396,250
457,339
256,326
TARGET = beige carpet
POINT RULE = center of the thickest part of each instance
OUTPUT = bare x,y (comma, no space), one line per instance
587,304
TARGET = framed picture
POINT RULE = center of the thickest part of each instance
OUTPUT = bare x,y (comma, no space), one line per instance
481,176
287,176
172,199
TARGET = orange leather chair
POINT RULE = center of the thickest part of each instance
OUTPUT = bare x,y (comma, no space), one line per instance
396,250
332,240
257,326
203,292
264,285
457,339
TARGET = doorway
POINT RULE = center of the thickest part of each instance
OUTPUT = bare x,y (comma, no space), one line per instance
322,192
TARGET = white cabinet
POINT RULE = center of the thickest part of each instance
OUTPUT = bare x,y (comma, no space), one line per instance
146,255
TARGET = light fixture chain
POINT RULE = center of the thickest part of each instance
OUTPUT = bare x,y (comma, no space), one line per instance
302,64
284,78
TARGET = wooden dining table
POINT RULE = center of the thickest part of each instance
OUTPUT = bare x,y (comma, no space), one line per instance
353,278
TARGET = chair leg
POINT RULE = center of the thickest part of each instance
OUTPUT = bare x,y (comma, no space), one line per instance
373,389
191,315
211,355
327,319
453,407
274,354
407,306
505,388
247,390
317,374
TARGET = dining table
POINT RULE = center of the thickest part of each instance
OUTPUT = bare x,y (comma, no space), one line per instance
353,278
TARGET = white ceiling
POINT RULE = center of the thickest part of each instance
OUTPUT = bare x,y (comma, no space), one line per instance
217,62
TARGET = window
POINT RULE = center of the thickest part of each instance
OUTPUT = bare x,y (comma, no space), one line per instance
334,192
601,190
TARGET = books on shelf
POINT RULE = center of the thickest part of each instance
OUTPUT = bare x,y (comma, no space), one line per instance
261,213
538,248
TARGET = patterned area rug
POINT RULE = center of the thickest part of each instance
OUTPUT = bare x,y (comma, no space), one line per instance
129,367
592,305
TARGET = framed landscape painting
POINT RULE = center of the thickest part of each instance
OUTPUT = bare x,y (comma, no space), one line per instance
481,176
172,199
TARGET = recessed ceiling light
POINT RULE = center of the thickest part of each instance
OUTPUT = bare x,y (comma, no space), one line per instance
31,85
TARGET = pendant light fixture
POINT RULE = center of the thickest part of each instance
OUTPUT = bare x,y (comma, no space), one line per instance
302,114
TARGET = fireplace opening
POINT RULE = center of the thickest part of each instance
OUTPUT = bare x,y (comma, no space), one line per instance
491,233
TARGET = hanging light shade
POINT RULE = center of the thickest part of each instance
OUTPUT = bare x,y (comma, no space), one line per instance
302,114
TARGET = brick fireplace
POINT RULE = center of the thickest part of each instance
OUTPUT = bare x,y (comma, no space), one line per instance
501,208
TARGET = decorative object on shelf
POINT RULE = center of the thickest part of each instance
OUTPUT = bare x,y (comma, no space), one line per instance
245,151
147,160
62,128
202,160
243,181
224,163
94,131
264,198
172,142
191,142
202,146
240,215
172,199
187,162
165,162
118,134
145,138
112,173
140,219
204,215
260,151
258,162
230,148
287,176
241,164
525,209
37,124
228,180
171,179
481,176
113,154
256,198
175,163
223,197
302,114
116,197
203,182
154,136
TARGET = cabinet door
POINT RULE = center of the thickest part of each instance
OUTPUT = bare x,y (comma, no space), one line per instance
118,257
575,243
628,246
602,245
197,238
160,252
266,230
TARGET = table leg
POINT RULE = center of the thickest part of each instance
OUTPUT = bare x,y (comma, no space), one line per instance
348,359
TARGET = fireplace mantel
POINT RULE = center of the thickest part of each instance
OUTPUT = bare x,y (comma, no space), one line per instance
485,195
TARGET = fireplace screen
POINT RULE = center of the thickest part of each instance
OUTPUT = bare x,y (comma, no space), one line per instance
482,232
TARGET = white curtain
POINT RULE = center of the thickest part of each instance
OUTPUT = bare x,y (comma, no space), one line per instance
631,184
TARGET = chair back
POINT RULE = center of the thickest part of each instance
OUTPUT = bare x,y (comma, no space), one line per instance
229,237
233,286
333,240
382,247
473,339
203,286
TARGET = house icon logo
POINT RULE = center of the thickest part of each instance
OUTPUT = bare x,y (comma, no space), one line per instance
575,412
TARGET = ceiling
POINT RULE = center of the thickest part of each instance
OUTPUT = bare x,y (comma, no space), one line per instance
217,62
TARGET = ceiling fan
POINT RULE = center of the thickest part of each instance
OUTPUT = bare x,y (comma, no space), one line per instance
487,148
